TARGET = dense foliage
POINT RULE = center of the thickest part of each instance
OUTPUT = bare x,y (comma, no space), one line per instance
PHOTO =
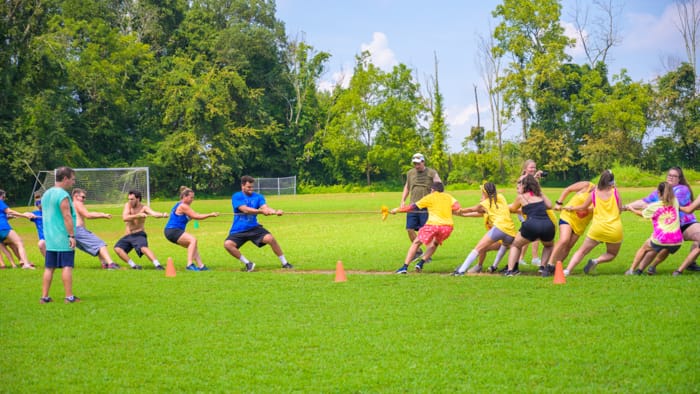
203,91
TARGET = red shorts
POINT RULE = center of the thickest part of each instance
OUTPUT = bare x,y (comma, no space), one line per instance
429,232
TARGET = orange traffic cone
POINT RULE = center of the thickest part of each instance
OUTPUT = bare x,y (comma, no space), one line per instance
340,272
170,268
559,278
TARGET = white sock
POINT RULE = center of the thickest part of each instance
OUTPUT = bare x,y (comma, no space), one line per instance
244,260
131,263
156,263
283,259
473,255
499,256
566,272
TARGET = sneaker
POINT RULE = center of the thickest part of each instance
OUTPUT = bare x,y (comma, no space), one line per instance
71,299
419,253
492,269
160,268
249,267
457,273
589,266
693,266
675,273
475,269
547,271
540,269
629,272
287,266
402,270
566,273
419,266
522,262
637,272
509,273
204,268
651,270
136,267
536,261
110,266
192,267
46,300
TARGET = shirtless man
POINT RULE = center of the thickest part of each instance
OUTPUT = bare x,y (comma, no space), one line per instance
85,239
134,215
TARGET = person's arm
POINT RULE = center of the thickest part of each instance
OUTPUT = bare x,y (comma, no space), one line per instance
153,213
187,210
68,221
690,208
26,215
85,214
127,217
547,202
583,206
405,208
266,210
574,188
456,207
404,195
515,205
478,210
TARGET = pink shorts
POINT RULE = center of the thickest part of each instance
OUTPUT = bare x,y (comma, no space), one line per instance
429,232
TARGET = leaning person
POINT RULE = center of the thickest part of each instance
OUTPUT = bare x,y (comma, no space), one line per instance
134,215
86,240
7,234
247,204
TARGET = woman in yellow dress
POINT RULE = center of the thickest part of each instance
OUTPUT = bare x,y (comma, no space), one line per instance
606,225
571,224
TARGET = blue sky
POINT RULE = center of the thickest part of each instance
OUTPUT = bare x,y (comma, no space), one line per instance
413,31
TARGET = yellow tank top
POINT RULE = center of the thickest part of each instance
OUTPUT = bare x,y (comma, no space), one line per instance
578,220
606,225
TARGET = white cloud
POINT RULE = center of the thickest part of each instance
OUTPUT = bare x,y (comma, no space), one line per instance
462,116
570,31
382,56
651,32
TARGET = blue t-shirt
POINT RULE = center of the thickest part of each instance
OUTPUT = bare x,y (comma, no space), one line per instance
242,222
39,223
177,221
684,199
4,224
54,227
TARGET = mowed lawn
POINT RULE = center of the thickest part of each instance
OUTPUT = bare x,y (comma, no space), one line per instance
272,331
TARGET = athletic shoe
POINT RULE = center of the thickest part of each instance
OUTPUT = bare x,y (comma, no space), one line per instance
540,268
651,270
192,267
629,272
675,273
523,262
475,269
419,253
547,271
45,300
402,270
160,268
693,266
637,272
589,266
512,273
457,273
249,267
204,268
419,266
71,299
136,267
492,269
287,266
110,266
536,261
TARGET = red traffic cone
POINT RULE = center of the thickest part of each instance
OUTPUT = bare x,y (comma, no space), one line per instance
340,272
170,268
559,278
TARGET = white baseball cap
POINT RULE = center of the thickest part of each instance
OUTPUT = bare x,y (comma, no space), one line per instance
417,158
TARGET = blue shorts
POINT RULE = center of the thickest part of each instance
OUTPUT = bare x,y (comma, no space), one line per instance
60,259
658,248
254,235
4,234
416,219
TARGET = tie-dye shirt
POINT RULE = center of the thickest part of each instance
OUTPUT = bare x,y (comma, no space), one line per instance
667,228
683,197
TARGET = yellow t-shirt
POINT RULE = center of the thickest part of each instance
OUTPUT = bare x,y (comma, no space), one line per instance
439,208
499,216
578,220
606,225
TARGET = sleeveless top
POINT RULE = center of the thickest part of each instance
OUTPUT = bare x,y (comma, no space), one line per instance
606,225
177,221
578,220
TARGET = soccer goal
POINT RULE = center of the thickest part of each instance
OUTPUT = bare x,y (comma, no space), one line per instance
103,185
286,185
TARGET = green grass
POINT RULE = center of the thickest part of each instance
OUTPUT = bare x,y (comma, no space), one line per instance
272,331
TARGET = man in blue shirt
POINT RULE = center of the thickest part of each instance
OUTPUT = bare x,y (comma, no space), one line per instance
246,206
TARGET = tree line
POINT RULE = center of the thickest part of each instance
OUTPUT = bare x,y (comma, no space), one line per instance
204,91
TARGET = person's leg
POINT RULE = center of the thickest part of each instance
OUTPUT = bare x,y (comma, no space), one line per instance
16,241
535,254
547,248
67,276
586,247
516,249
122,254
561,248
189,242
639,257
479,249
42,247
689,260
269,239
611,251
145,250
46,282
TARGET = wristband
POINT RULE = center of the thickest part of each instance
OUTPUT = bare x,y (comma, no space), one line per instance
559,202
71,236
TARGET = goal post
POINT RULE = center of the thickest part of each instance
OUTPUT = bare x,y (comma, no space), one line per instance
279,186
103,185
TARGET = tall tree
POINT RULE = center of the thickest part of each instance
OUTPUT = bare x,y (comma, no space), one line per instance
688,24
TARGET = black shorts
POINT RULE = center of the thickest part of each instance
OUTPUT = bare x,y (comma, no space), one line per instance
173,234
134,241
534,229
658,248
254,235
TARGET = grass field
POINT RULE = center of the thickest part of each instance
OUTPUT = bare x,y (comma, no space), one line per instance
274,331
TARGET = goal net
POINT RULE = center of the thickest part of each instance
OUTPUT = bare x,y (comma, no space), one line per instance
103,185
286,185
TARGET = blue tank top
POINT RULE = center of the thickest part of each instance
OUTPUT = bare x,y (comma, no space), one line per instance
177,221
